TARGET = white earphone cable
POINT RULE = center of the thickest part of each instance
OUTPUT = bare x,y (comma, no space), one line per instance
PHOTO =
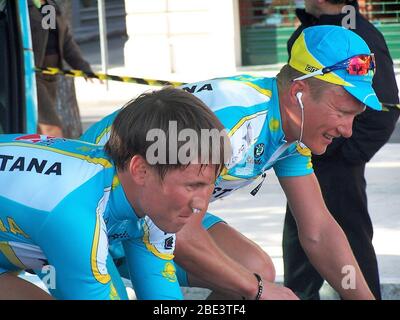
298,96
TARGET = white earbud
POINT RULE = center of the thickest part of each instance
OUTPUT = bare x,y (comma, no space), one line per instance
298,96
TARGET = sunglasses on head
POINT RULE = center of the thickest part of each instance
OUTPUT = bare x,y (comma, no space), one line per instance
358,65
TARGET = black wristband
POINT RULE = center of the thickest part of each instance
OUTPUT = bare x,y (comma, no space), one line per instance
260,286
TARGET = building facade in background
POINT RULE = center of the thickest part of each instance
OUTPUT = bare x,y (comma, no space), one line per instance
85,19
211,37
185,37
267,24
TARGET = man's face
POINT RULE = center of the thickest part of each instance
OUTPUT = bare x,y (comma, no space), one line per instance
329,117
170,202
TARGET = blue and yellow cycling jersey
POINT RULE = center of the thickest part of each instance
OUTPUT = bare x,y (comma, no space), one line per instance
61,204
248,107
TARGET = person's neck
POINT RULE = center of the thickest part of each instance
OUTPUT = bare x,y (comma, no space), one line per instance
133,195
328,9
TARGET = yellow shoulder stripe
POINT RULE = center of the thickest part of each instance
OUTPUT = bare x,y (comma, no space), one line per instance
243,120
102,278
102,134
265,92
101,161
152,248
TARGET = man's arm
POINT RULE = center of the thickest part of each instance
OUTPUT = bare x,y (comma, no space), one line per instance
13,287
321,237
71,50
200,256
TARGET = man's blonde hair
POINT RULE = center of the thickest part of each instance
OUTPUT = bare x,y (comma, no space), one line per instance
317,87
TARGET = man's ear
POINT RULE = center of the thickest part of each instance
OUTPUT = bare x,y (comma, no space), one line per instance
295,88
138,169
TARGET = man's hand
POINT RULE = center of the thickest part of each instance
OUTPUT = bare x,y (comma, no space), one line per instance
274,292
91,80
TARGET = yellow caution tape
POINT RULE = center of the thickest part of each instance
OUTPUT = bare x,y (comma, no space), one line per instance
103,76
148,82
387,107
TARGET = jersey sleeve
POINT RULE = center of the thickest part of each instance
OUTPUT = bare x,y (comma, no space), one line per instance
99,132
151,266
298,164
74,241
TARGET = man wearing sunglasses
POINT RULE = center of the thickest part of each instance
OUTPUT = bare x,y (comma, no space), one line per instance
277,123
340,170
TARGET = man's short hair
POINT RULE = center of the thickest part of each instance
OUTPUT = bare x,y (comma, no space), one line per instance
156,110
317,87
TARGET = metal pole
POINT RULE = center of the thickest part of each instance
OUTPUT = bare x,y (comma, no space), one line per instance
103,37
170,47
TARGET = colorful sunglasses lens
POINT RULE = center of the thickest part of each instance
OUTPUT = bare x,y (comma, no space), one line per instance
360,65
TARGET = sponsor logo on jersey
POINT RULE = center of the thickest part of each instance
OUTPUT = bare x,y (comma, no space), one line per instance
116,236
169,243
13,227
259,150
221,192
195,88
34,138
39,139
8,163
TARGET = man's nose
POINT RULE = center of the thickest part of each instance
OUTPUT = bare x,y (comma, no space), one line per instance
346,129
199,203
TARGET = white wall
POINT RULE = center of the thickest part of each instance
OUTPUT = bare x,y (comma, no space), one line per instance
196,39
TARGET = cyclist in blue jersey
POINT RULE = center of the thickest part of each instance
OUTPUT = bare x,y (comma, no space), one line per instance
62,202
277,123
